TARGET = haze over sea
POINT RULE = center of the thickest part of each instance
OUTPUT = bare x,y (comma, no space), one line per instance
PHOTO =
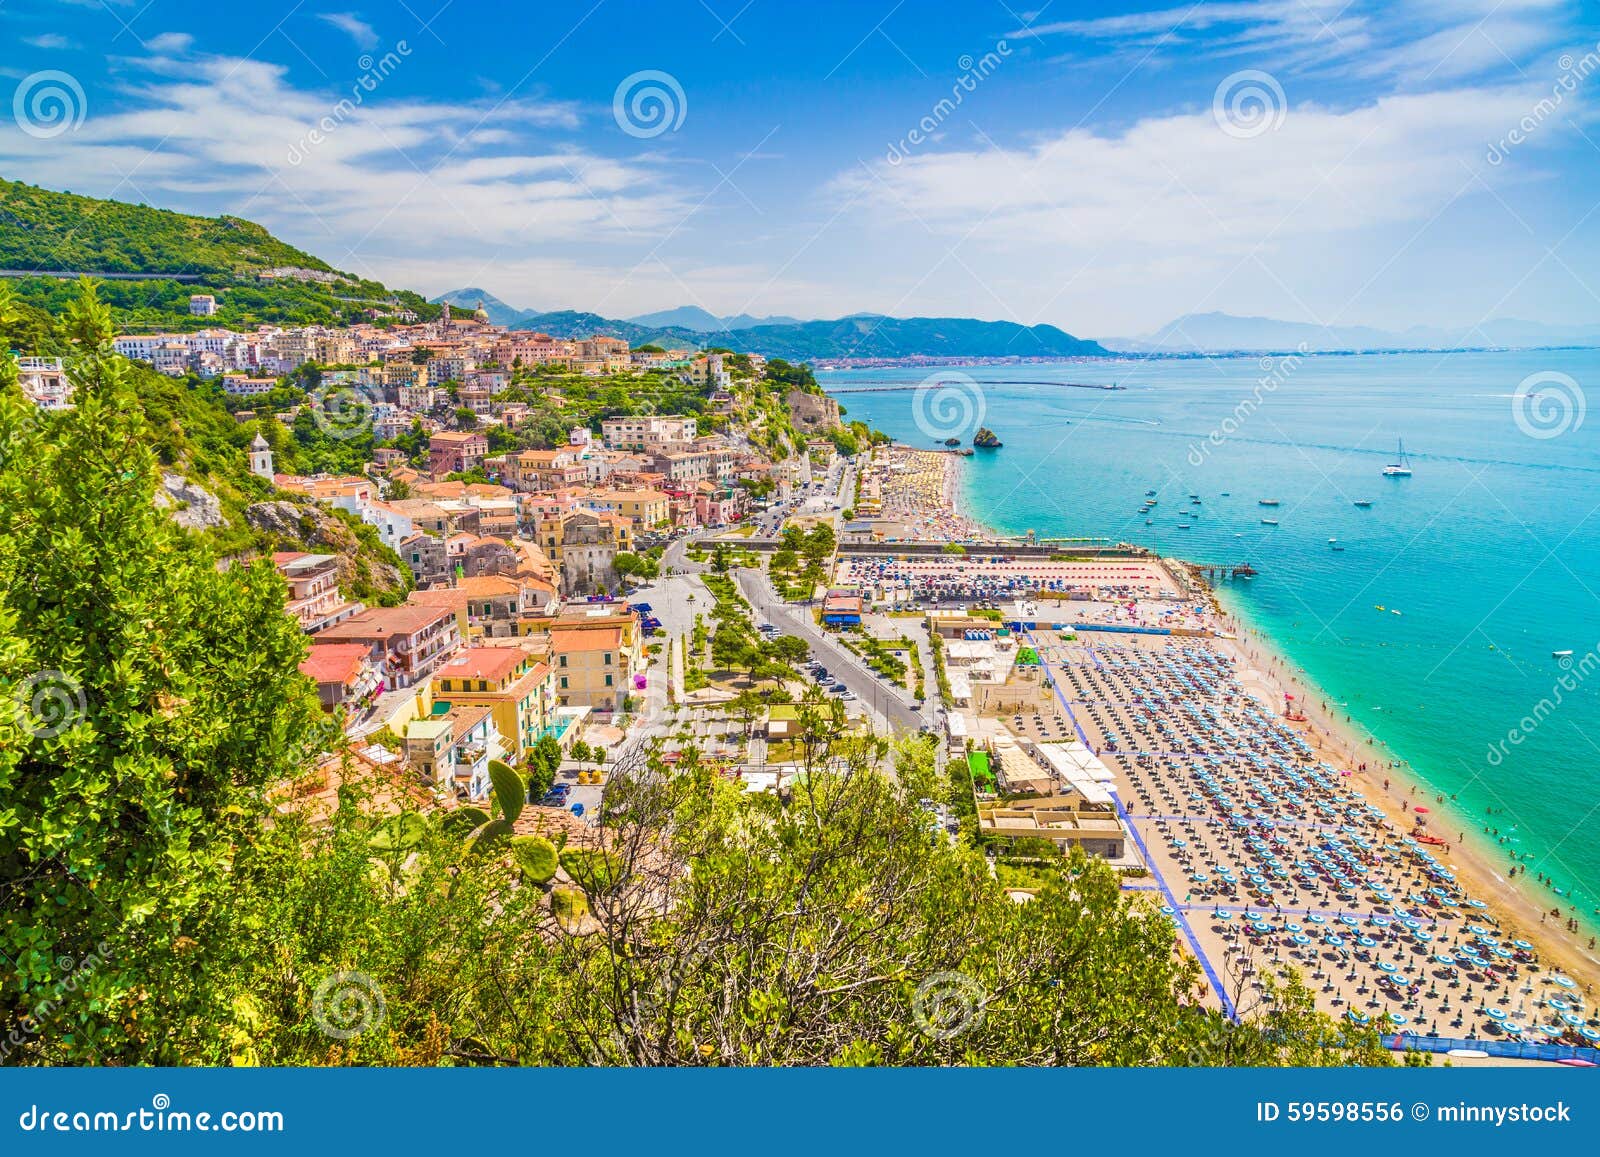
1490,551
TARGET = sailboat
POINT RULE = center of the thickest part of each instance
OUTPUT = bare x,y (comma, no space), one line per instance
1401,468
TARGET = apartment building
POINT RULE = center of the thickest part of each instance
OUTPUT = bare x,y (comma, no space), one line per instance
314,600
648,432
346,674
514,683
590,667
451,452
413,639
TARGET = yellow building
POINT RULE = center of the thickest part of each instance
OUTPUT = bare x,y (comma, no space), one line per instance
515,684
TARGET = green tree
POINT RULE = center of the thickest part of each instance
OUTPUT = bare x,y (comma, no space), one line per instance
162,703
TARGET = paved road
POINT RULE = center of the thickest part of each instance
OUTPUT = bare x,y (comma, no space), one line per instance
891,705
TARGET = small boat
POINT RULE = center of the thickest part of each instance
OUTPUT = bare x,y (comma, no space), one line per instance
1185,525
1224,494
1266,502
1149,493
1363,503
1269,522
1561,654
1401,466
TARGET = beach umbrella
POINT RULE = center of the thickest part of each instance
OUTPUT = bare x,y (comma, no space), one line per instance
1497,1014
1522,944
1446,959
1386,966
1589,1034
1573,1019
1563,981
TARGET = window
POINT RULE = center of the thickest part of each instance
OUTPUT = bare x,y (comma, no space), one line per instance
563,682
608,658
563,659
608,680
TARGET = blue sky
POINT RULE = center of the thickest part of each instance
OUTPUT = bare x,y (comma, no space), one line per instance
1106,168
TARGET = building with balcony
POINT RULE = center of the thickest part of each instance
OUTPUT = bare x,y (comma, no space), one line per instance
314,599
413,639
516,685
451,749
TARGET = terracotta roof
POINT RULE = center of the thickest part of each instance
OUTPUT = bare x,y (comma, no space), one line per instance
490,663
576,639
382,622
335,662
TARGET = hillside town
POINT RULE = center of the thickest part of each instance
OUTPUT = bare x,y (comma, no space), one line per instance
510,632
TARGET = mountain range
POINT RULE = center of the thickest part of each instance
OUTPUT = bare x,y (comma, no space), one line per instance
862,335
704,321
1216,332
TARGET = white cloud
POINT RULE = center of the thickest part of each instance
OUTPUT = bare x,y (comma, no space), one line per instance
170,43
394,181
352,25
1180,205
48,40
1412,41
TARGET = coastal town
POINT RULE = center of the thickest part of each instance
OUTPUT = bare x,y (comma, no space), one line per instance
654,589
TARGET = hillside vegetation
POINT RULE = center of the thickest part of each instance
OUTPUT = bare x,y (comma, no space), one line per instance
42,229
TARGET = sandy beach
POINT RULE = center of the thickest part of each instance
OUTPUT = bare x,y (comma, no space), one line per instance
919,492
1370,950
1518,903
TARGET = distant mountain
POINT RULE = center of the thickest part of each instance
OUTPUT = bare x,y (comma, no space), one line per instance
1214,332
499,312
861,336
692,317
874,336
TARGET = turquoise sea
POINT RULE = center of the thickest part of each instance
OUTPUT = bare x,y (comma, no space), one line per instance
1490,551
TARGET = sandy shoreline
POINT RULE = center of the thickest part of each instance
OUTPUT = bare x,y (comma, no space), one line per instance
1519,907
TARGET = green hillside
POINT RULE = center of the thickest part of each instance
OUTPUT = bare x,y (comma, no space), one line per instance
41,229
